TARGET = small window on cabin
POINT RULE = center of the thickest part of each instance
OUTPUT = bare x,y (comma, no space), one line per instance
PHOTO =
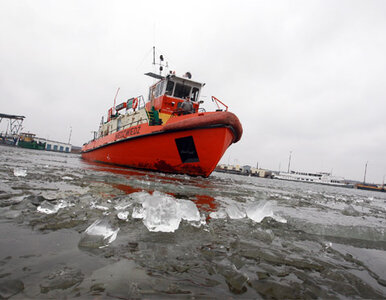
195,94
169,88
152,93
159,89
182,91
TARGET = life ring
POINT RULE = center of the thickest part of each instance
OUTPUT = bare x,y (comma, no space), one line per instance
135,103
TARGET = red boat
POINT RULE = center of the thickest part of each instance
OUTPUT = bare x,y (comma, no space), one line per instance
168,133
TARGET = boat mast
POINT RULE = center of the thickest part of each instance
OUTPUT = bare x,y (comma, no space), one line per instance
289,161
364,178
69,138
153,55
115,98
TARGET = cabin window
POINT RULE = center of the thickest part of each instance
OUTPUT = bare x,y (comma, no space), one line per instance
182,91
119,125
195,94
169,88
159,89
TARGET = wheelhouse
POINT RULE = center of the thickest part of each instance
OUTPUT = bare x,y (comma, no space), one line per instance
176,87
167,95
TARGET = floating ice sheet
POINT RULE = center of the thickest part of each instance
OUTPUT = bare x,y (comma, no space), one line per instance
123,215
234,212
100,207
220,214
258,211
163,213
99,234
49,208
19,172
188,210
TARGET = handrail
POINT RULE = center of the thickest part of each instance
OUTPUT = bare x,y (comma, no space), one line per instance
214,99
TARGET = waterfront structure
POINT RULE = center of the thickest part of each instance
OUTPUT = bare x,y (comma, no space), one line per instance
51,145
14,125
244,170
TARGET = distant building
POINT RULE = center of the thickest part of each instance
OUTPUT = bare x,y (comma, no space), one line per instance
244,170
261,172
54,145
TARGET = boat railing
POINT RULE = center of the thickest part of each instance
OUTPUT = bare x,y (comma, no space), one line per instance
141,105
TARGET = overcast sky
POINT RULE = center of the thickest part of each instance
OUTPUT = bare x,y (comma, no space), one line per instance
302,76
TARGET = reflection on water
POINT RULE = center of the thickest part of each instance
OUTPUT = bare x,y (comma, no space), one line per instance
71,228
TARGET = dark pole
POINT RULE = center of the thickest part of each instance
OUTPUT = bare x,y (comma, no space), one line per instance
364,178
289,161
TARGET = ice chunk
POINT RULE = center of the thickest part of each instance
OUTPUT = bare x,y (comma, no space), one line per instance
188,210
98,235
50,208
234,212
100,207
138,213
220,214
161,213
122,205
19,172
123,215
67,178
258,211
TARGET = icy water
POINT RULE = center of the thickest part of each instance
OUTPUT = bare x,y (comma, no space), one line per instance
72,229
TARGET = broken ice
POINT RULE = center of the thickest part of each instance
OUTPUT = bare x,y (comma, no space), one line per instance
50,208
123,215
162,212
19,172
258,211
98,235
234,212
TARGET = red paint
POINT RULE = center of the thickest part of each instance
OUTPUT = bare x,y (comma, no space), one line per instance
159,152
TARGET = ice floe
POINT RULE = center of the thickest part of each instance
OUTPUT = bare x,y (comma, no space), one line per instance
19,172
256,211
50,208
99,234
220,214
234,212
260,210
188,210
100,207
123,215
163,213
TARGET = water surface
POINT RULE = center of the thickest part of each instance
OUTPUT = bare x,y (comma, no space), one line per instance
74,229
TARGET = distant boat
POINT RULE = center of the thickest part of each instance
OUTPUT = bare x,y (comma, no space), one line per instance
27,140
370,187
319,178
164,133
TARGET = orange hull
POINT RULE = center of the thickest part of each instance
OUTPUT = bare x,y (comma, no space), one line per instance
191,144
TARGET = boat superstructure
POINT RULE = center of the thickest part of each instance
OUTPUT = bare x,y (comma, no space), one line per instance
168,132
